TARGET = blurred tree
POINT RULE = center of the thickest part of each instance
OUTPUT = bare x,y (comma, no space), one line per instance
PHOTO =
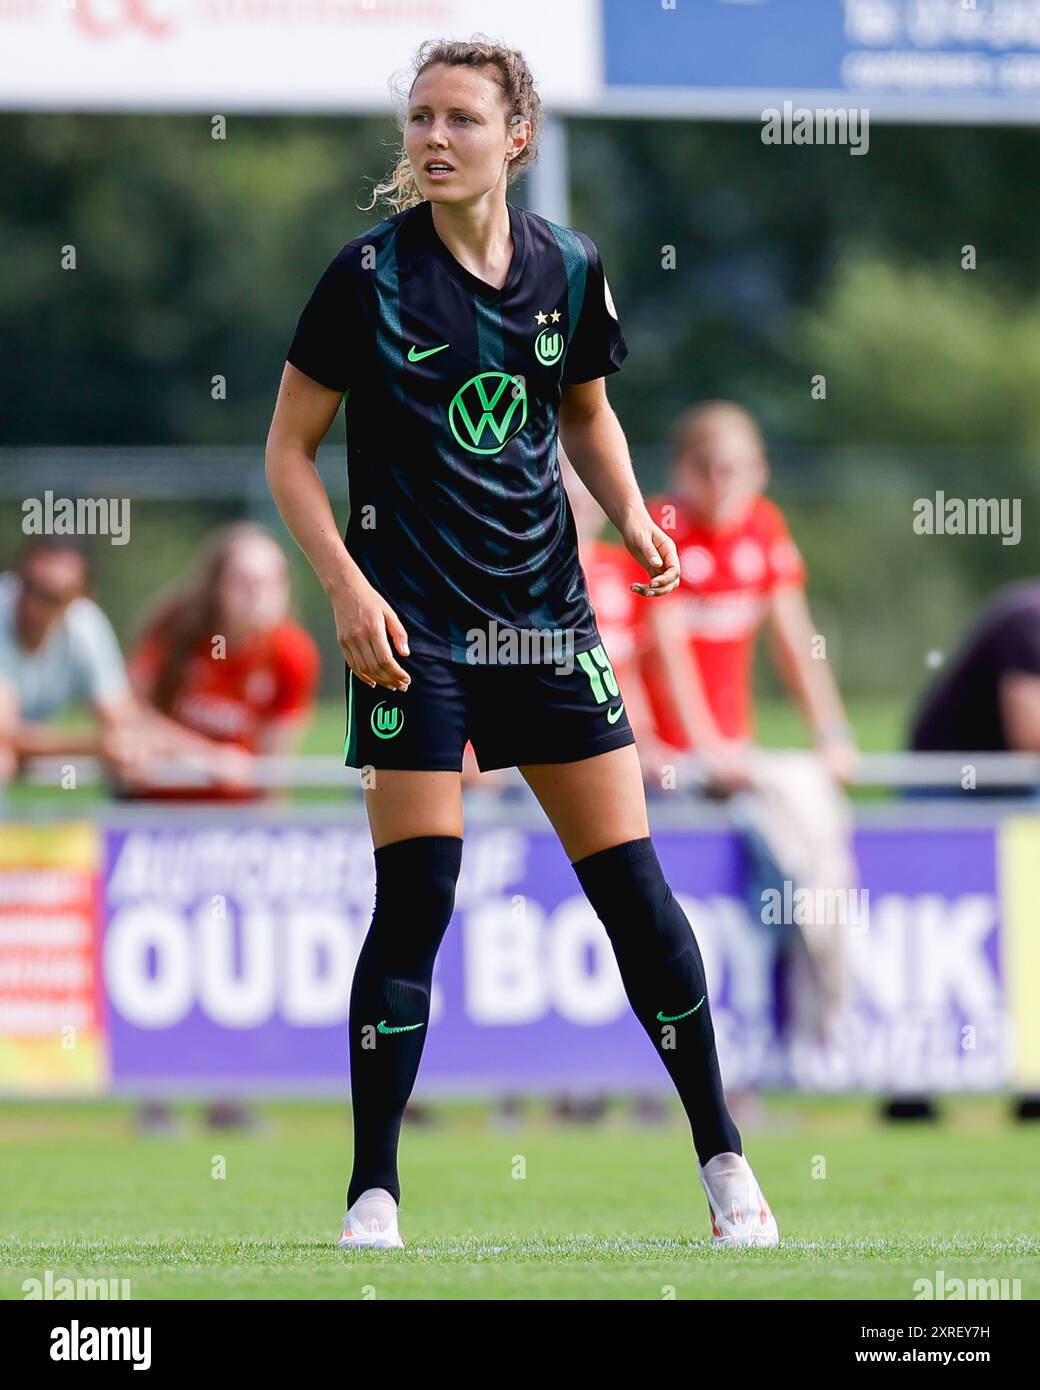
195,256
739,270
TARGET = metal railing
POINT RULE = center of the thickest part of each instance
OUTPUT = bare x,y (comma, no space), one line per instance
883,770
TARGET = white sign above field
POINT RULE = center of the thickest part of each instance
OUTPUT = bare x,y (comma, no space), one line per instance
927,60
271,55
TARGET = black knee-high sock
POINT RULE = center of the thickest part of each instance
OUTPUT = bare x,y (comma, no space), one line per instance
663,974
390,997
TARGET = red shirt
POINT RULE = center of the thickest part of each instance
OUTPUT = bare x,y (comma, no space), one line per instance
728,576
270,675
609,570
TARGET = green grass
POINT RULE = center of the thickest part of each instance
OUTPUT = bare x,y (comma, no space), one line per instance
612,1211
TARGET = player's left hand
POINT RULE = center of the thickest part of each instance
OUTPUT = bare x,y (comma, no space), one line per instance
655,550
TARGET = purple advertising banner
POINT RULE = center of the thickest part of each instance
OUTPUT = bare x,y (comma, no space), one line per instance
228,955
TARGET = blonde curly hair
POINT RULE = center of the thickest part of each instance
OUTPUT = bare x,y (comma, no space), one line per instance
398,190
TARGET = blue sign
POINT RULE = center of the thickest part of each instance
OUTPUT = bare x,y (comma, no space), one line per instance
227,955
963,59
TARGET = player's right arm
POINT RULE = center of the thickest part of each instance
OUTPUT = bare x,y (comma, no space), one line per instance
365,622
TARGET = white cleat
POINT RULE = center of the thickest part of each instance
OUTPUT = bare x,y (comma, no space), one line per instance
371,1221
740,1215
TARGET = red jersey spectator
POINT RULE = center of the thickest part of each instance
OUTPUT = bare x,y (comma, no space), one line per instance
222,661
730,573
740,569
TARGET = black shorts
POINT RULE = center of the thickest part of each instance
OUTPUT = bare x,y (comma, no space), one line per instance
514,714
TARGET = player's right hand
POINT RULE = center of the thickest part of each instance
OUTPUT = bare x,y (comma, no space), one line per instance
365,625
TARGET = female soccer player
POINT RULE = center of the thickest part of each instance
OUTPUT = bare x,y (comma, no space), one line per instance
465,334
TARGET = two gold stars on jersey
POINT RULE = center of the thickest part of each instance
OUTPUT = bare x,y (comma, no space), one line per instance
541,318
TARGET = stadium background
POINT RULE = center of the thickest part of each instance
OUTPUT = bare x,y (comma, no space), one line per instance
194,256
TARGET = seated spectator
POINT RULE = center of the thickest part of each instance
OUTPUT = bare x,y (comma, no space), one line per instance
986,698
221,662
58,650
740,570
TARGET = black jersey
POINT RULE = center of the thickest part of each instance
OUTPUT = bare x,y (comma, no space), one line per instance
458,515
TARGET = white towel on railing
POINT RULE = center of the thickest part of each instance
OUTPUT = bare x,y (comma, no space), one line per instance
805,819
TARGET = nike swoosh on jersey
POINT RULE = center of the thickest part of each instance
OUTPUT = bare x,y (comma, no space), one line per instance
414,355
613,715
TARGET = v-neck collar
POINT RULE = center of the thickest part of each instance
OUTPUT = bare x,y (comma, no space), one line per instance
465,277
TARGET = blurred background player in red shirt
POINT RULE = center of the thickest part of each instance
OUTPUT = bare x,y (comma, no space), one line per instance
740,570
224,667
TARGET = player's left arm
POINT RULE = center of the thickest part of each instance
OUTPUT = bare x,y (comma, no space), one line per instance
595,443
809,678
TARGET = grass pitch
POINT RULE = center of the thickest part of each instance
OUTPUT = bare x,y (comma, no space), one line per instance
533,1210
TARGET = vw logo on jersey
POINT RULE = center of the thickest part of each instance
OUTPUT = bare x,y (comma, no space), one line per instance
488,410
387,721
548,346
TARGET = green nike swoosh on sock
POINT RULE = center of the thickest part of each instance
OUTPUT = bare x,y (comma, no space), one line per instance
676,1017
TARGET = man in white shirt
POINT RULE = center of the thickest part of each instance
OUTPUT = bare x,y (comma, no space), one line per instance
58,649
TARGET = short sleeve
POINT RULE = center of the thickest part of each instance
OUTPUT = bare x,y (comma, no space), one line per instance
597,346
299,665
330,331
97,654
784,563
